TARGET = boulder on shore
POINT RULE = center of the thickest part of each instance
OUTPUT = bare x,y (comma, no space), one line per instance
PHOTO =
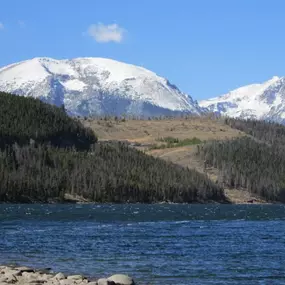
121,279
28,276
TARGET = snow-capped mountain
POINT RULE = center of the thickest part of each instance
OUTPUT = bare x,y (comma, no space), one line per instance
89,86
256,101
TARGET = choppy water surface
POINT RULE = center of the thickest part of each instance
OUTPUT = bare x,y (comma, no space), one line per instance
156,244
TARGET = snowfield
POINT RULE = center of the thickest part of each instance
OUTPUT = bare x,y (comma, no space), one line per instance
257,101
88,86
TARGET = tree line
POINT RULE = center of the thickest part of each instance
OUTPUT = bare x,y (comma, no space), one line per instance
109,172
266,131
45,155
28,120
255,162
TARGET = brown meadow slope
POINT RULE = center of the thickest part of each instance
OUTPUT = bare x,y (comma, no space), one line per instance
144,134
147,131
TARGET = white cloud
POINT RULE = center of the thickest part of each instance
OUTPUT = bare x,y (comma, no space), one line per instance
1,26
106,33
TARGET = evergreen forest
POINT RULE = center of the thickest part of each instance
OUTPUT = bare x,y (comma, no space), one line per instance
45,155
255,163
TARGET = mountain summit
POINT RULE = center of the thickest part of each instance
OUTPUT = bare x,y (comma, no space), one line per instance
89,86
256,101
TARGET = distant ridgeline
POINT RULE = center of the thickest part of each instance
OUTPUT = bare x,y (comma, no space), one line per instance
45,155
255,163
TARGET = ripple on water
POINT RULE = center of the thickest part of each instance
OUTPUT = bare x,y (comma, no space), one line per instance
169,244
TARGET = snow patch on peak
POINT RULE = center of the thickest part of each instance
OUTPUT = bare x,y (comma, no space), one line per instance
96,85
17,76
275,78
259,101
74,84
112,70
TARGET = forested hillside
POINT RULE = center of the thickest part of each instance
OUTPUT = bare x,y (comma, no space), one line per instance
255,163
110,173
45,155
49,169
269,132
23,120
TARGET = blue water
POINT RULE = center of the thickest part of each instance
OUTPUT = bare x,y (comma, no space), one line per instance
155,244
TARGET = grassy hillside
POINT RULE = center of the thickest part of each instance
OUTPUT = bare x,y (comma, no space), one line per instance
245,179
146,135
148,131
49,169
190,159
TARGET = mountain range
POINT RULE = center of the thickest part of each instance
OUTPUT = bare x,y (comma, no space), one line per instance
265,101
96,86
100,86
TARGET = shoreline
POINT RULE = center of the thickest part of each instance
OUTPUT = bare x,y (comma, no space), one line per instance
234,203
233,197
76,199
23,275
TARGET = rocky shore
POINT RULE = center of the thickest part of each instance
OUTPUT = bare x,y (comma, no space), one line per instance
29,276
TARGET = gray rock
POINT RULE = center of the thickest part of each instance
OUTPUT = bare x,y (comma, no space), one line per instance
104,281
82,282
47,276
9,271
53,282
10,278
121,279
76,277
17,272
3,269
59,276
25,269
67,282
27,274
30,276
93,283
3,279
44,270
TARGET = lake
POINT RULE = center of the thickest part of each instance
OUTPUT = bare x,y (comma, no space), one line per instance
155,244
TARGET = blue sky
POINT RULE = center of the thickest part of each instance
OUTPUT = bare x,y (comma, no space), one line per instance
205,47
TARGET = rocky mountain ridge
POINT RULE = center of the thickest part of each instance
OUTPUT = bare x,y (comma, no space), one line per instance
96,86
